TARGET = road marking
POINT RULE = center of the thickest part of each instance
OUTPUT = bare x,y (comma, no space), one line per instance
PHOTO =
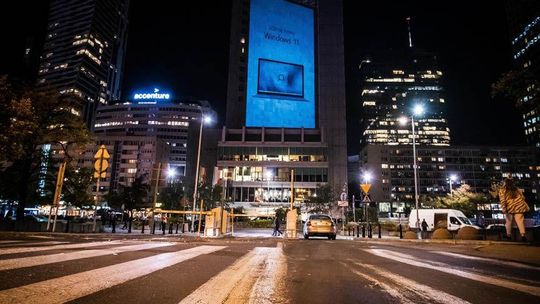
75,255
268,287
243,281
488,260
410,260
71,287
404,286
44,248
10,242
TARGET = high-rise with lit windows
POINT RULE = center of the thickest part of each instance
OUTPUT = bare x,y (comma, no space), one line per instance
285,103
393,84
84,50
524,30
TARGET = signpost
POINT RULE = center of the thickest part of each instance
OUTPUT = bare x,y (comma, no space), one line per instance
100,171
366,200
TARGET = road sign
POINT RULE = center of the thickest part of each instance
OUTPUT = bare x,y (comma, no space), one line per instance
366,199
343,203
365,187
102,153
101,163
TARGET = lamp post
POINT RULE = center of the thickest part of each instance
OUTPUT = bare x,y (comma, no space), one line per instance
203,120
367,179
417,110
363,61
451,179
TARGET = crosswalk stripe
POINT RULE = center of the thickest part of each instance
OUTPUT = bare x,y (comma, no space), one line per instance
77,285
488,260
26,245
238,282
75,255
406,286
410,260
56,247
10,241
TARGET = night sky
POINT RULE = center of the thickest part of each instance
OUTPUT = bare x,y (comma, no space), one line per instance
185,50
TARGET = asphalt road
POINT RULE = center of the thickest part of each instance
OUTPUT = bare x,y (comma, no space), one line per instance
100,269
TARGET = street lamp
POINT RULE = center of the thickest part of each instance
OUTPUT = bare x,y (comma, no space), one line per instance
363,61
417,110
171,173
452,179
203,119
367,177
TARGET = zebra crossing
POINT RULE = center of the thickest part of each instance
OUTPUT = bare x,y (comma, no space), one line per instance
254,271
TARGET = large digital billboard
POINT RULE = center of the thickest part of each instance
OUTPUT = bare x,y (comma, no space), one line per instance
281,65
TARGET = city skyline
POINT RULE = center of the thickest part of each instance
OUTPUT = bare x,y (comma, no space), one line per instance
175,53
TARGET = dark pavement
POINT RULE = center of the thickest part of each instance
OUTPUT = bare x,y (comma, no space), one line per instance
98,268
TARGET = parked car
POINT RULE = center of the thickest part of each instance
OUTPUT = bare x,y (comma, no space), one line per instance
495,226
320,225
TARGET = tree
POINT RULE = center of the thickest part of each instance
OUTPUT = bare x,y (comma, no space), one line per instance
462,199
516,84
132,197
76,187
212,196
171,196
324,199
30,119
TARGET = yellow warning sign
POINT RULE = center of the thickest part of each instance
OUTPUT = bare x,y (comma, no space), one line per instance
365,187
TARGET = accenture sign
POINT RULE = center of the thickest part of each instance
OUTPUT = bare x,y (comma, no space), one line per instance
155,95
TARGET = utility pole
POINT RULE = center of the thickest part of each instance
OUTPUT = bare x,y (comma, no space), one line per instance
57,193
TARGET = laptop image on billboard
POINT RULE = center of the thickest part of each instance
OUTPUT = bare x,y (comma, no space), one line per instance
280,78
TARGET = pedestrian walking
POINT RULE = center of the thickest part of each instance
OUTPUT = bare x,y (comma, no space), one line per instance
277,224
513,206
424,228
125,217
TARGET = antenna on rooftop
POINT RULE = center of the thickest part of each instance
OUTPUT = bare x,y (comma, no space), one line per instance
409,29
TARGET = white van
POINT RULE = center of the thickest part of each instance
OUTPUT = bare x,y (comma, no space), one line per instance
455,219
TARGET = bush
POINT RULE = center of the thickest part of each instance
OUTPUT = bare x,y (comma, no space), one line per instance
389,226
260,224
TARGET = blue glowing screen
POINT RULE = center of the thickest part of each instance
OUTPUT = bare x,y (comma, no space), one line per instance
281,65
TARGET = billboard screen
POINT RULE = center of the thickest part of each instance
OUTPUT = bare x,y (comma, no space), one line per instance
281,65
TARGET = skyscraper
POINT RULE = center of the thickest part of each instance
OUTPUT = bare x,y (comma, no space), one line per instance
393,84
285,100
524,28
84,50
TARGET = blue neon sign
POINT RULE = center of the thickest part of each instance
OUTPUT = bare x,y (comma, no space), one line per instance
156,95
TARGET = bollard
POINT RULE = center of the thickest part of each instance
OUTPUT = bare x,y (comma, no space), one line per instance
379,228
400,231
183,226
358,231
349,231
363,231
113,224
154,228
177,224
171,228
370,232
162,227
143,223
67,225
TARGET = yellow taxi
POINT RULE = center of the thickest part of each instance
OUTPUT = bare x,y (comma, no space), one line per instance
320,225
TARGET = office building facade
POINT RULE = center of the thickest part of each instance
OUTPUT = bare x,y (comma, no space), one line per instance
393,85
524,30
393,179
167,120
286,76
84,51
